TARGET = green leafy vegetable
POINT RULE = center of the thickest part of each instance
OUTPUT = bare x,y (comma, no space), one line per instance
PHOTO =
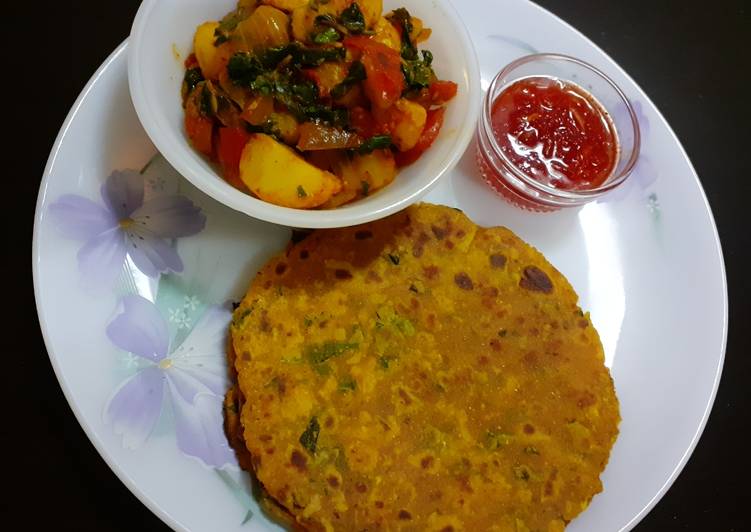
243,69
326,36
353,19
267,73
348,385
365,187
330,115
271,57
378,142
231,20
355,75
385,361
206,102
318,354
312,57
226,26
193,77
395,260
419,73
239,318
350,22
309,438
301,192
326,20
403,19
496,440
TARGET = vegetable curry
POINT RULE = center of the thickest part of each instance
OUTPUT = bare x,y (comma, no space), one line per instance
312,104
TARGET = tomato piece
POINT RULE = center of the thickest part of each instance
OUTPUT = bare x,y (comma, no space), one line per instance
433,126
200,130
191,62
363,123
359,43
312,75
441,92
232,141
383,66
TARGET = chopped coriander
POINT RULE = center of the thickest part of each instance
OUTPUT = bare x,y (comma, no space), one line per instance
301,192
378,142
496,440
394,259
348,385
239,318
385,361
309,438
320,353
326,36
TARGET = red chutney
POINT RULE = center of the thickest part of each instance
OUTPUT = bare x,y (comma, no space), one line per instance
556,133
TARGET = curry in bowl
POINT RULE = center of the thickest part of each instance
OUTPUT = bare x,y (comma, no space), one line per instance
313,104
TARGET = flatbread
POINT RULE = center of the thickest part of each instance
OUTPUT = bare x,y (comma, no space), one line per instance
422,373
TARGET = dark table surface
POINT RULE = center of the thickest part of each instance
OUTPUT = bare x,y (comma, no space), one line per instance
692,59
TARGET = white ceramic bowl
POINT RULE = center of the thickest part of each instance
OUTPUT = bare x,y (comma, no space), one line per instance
162,37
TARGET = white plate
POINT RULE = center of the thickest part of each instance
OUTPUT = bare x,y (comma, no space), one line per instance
646,262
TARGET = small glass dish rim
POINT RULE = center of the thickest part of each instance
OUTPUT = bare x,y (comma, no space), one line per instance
486,124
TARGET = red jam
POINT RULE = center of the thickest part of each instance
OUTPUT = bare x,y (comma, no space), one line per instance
556,133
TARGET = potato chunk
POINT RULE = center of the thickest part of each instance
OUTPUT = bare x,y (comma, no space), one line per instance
277,174
209,57
386,33
371,11
377,169
362,175
405,121
264,28
286,5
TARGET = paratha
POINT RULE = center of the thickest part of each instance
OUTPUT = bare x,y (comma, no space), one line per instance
422,373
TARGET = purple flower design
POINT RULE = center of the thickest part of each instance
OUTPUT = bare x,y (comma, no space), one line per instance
126,225
192,378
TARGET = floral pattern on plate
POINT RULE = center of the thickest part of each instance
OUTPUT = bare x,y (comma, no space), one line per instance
173,344
191,378
128,224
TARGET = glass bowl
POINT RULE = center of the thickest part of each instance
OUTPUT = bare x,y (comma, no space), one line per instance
521,189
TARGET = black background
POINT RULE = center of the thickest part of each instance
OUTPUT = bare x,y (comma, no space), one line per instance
692,59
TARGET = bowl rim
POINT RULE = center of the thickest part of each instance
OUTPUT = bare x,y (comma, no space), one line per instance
346,216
